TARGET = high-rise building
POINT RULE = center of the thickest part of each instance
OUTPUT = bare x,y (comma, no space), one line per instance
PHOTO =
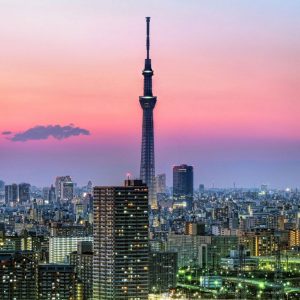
82,259
24,192
120,267
59,186
2,189
56,282
11,193
2,185
18,275
160,182
183,186
147,102
89,187
67,190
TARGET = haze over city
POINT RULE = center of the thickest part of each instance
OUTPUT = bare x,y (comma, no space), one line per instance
226,74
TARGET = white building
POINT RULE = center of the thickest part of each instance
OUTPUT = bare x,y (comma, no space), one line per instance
61,247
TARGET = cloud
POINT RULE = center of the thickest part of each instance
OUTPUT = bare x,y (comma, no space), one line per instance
6,132
44,132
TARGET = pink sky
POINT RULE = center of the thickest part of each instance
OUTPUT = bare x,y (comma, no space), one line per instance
226,77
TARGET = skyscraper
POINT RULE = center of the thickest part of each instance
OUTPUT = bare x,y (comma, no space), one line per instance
67,190
183,186
120,267
148,101
160,182
11,193
63,188
24,192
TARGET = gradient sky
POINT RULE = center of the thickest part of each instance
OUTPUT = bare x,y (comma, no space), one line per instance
227,77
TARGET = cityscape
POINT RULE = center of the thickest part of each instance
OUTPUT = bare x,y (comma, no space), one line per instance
161,234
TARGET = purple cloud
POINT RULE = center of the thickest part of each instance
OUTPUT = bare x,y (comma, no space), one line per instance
6,132
44,132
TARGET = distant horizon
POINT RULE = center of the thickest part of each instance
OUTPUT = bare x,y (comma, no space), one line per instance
225,75
169,186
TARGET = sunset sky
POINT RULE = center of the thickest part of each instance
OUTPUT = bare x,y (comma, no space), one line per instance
226,74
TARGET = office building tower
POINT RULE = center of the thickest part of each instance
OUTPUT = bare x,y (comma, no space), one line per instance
162,271
120,267
59,186
56,282
160,183
147,102
51,195
11,193
18,275
67,190
89,187
24,192
82,259
2,189
183,186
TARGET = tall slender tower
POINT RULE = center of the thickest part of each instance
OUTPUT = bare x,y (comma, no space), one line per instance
148,101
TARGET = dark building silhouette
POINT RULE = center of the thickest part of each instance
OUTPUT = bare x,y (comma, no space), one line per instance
11,193
121,254
18,275
82,259
51,194
148,101
24,192
183,186
56,282
2,189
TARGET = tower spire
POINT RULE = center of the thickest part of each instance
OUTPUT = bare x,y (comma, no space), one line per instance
148,37
147,72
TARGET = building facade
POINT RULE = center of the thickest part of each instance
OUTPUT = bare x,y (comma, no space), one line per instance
120,266
82,259
183,186
56,282
60,247
18,275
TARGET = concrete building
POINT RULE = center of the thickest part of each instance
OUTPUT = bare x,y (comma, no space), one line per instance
121,258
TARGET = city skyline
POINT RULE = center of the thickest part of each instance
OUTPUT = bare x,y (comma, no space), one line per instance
228,98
